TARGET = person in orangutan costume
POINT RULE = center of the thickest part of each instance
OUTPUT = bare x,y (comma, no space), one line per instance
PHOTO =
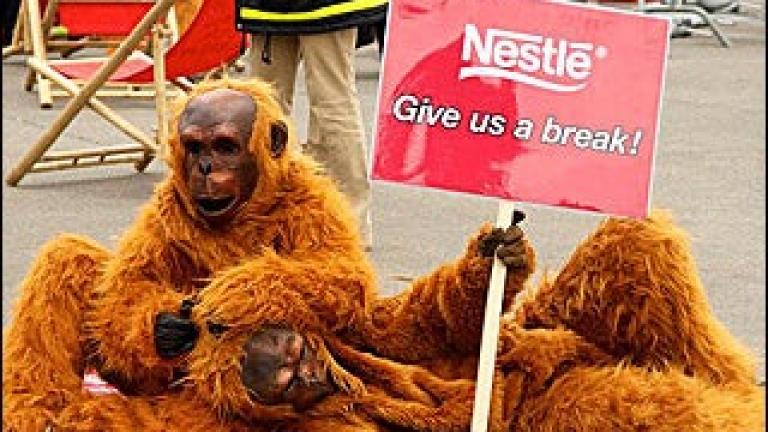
241,300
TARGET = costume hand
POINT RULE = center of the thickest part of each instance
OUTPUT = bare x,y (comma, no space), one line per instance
508,244
175,333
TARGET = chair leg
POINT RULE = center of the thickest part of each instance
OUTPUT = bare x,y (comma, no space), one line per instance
44,93
39,50
43,85
29,81
158,34
142,165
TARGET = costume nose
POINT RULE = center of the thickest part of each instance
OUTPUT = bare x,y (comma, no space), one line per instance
205,166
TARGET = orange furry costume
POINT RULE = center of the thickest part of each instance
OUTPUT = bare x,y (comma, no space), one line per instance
294,244
621,339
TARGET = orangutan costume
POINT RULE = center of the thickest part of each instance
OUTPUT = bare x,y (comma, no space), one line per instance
292,242
621,339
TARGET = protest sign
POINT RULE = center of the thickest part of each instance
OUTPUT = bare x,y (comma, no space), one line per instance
531,101
525,100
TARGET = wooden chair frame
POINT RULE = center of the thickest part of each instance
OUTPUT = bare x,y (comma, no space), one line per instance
36,159
27,41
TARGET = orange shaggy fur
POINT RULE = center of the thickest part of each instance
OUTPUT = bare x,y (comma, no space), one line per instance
293,248
622,339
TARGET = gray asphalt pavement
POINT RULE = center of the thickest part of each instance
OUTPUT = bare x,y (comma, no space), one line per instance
710,172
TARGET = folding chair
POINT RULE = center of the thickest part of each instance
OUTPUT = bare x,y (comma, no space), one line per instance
210,42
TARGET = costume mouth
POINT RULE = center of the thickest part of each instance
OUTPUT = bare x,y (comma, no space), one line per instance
214,206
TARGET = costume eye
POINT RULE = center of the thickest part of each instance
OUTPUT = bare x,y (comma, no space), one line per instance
225,146
192,147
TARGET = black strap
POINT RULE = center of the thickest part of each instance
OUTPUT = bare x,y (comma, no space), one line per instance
242,43
266,51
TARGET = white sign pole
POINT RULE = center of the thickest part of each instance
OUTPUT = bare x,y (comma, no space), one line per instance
490,337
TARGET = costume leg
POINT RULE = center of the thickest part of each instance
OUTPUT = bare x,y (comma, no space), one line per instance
634,399
633,290
174,412
281,71
441,313
43,355
336,138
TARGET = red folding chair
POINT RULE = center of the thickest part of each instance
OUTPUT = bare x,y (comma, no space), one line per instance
210,42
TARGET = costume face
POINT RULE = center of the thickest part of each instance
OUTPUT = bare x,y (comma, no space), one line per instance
219,170
279,367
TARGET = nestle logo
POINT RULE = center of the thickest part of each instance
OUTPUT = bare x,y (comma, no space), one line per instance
543,62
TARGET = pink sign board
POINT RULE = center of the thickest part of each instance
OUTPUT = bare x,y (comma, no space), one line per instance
527,100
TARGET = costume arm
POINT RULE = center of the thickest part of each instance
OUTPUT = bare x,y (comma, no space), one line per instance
136,286
442,312
308,293
545,354
317,280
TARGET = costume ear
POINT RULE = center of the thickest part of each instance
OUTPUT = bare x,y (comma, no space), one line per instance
278,135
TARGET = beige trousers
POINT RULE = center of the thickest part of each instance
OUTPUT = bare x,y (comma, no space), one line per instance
335,134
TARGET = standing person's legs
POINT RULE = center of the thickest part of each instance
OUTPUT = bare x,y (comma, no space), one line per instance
281,71
336,138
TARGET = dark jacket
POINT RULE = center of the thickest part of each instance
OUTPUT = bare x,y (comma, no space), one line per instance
306,16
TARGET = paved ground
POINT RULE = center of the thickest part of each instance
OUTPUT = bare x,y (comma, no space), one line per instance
710,172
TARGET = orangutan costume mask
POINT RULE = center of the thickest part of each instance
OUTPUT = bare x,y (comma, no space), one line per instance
220,172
